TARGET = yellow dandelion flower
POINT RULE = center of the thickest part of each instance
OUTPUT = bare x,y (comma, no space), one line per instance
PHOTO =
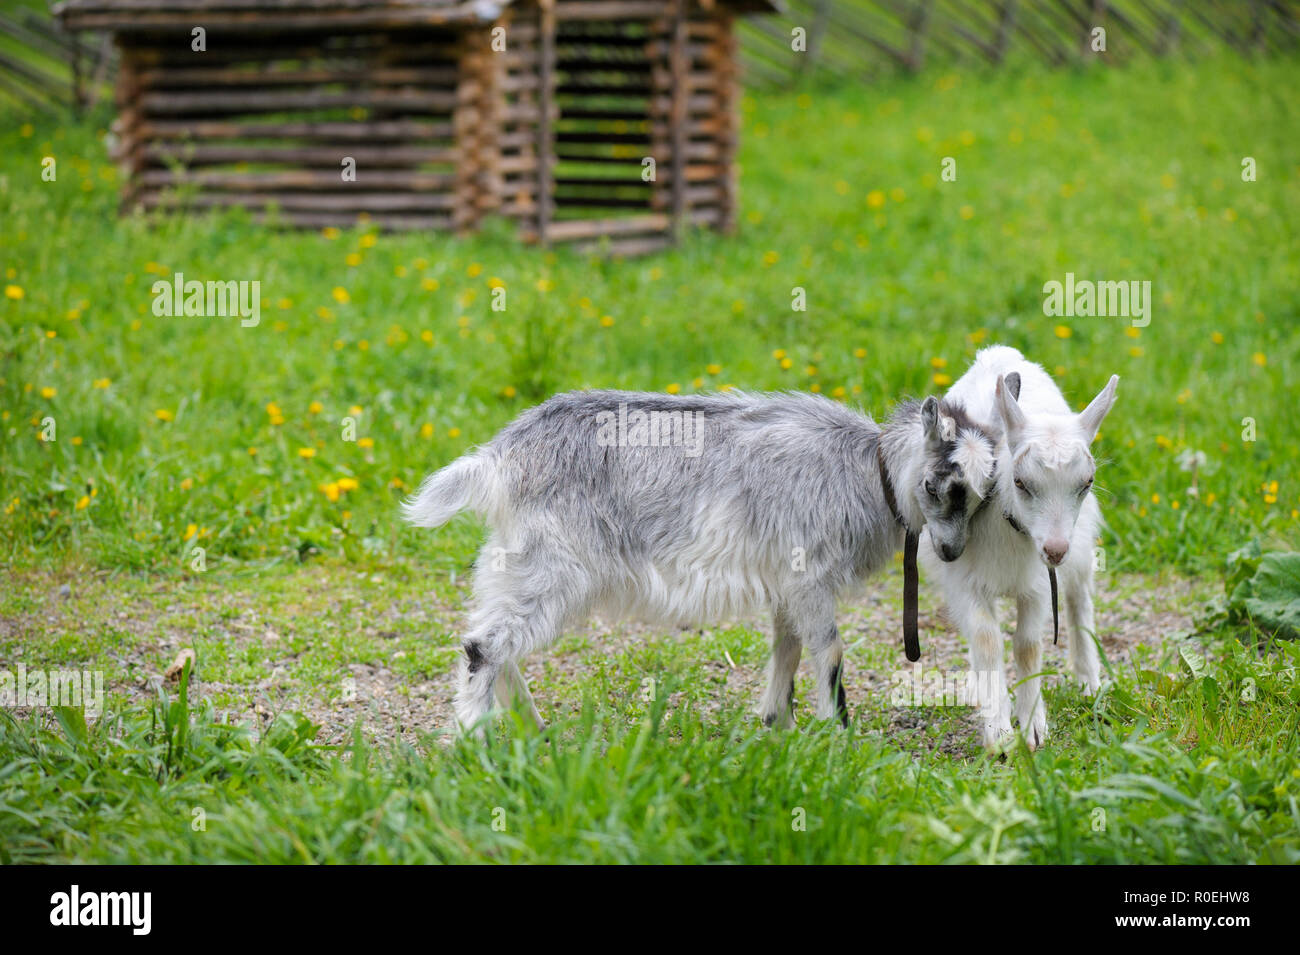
1211,498
839,392
1175,504
967,212
673,389
331,491
341,295
713,369
76,442
942,380
330,232
607,321
429,285
348,484
426,336
315,407
306,452
190,531
787,363
937,362
1136,351
368,241
779,354
162,414
366,442
1259,358
355,410
252,452
426,430
1063,331
187,484
1217,338
14,292
453,432
1155,498
49,392
1132,332
474,269
770,258
83,502
509,391
859,353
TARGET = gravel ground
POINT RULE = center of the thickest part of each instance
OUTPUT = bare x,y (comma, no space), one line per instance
1131,611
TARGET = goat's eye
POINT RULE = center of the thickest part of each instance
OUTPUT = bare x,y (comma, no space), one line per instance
929,489
1021,484
1087,485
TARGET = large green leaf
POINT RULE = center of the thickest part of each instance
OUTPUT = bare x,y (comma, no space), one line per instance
1271,598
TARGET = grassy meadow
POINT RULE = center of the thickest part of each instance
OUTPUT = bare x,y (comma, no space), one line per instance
156,466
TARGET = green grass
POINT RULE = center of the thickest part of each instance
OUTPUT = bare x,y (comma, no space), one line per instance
1134,777
1154,193
1110,174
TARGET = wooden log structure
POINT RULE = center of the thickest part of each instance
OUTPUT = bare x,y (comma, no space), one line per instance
609,124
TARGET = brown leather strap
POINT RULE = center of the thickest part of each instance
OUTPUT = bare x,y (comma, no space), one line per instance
911,635
1056,620
1051,576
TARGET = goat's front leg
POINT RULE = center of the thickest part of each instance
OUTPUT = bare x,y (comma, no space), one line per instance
778,698
814,619
1027,645
1084,660
975,618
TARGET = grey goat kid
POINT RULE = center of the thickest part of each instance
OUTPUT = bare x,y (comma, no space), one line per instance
695,510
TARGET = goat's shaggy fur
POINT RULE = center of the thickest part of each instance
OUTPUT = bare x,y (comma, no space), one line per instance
688,510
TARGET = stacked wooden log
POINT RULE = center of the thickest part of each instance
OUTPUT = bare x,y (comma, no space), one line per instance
608,123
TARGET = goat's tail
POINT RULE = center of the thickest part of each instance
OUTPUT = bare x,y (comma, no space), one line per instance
468,483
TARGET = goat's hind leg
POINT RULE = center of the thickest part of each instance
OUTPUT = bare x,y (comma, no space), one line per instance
516,613
511,688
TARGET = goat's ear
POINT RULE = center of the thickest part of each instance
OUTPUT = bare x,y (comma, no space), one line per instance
1013,384
1091,416
1013,419
930,418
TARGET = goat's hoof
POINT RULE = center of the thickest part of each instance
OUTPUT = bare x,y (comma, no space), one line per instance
998,738
1035,734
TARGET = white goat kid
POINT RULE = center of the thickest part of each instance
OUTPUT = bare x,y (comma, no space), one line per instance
1042,514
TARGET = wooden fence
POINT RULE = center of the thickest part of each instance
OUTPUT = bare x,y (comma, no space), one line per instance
856,40
45,69
842,40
